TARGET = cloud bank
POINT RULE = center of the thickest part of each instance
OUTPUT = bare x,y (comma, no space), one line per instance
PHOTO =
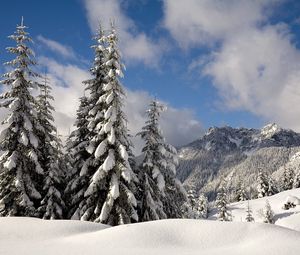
254,64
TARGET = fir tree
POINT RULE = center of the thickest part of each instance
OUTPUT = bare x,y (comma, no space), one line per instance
52,205
21,174
151,207
202,206
86,136
68,160
240,193
222,203
268,214
249,217
296,183
187,211
175,194
287,179
109,198
262,185
65,160
77,161
192,198
272,189
153,165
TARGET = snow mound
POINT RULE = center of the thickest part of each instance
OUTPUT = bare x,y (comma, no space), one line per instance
292,222
292,199
35,237
282,217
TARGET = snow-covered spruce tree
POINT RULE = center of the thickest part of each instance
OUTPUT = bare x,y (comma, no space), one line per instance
163,162
202,206
240,192
77,183
84,139
68,160
192,197
249,217
272,189
50,148
65,160
262,185
287,179
222,203
268,213
296,183
21,174
80,144
109,198
187,211
175,194
153,165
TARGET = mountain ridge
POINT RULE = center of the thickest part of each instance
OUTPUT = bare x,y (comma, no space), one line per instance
237,153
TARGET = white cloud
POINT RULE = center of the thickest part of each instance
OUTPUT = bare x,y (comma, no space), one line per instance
260,72
255,67
180,126
194,22
136,46
57,47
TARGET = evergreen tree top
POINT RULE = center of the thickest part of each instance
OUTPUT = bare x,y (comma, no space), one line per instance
44,106
151,131
98,69
155,110
25,56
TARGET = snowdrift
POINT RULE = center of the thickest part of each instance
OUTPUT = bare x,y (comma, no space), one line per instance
35,237
286,218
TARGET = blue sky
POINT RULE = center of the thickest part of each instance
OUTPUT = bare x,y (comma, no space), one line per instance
213,62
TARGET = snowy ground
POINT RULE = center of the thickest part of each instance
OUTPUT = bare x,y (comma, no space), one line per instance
287,218
34,236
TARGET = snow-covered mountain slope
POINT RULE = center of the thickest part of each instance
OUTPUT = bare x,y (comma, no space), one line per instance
236,153
29,236
287,218
292,163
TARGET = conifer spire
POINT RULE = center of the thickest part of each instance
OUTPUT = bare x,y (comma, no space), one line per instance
153,181
20,187
249,217
222,203
104,181
162,193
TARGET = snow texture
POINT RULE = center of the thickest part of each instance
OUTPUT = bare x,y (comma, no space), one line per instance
109,162
29,236
282,217
101,149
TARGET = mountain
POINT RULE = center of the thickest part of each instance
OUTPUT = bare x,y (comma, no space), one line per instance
236,153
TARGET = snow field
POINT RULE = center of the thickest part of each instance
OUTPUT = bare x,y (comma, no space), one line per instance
287,218
35,237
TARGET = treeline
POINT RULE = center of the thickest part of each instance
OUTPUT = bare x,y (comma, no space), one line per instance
95,177
198,206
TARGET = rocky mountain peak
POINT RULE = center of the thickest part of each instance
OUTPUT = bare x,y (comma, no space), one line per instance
236,152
